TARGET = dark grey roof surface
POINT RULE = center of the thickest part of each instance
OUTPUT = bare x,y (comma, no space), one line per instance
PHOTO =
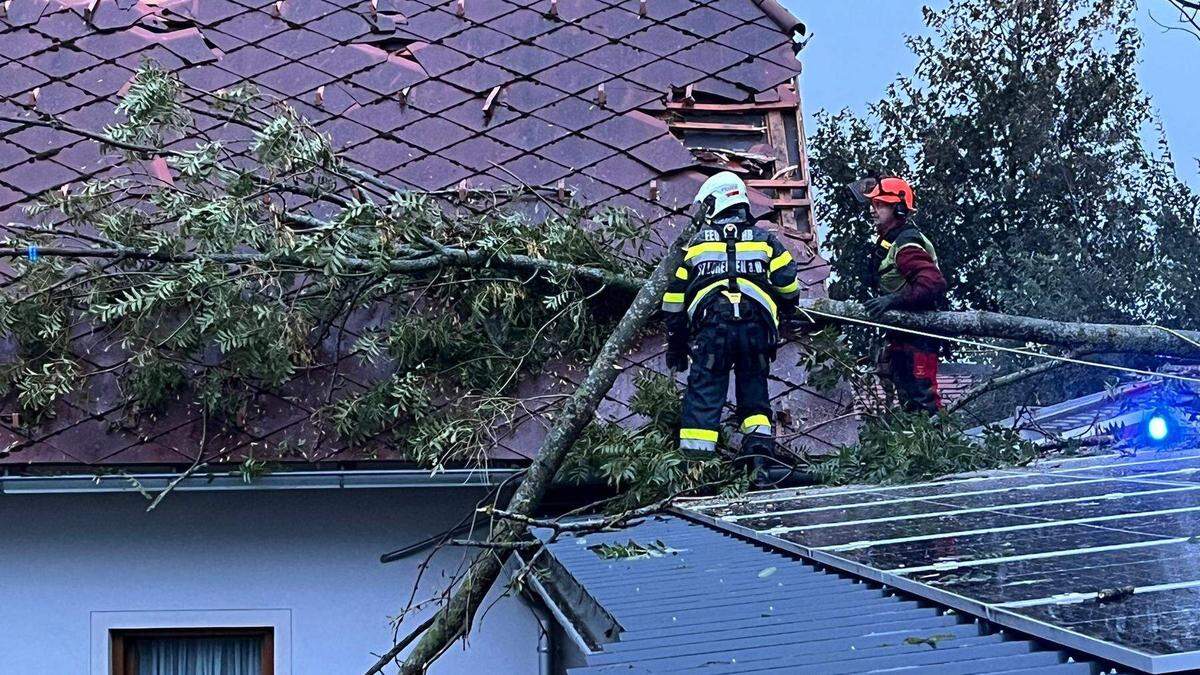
721,604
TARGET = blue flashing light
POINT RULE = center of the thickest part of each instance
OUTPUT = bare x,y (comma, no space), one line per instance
1157,427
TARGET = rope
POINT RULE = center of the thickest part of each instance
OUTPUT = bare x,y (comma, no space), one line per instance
1015,350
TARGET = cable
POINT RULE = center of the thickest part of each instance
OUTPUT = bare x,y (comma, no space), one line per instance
1013,350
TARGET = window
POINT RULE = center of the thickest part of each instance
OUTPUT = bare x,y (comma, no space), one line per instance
193,651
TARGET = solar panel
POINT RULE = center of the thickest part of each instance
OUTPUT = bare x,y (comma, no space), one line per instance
1101,554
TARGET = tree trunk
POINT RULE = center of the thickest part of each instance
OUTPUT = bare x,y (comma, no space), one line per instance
1094,337
454,618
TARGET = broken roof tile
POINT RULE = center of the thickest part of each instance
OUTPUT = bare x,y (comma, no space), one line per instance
434,96
438,59
661,39
210,12
522,24
432,133
663,74
621,171
570,41
528,133
525,59
571,77
665,154
431,173
716,86
526,96
479,77
576,152
480,41
625,131
479,153
573,113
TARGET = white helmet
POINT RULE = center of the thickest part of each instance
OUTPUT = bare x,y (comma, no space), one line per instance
725,190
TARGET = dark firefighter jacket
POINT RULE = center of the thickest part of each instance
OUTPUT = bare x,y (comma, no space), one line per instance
763,272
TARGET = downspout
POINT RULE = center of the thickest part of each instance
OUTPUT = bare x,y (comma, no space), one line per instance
545,646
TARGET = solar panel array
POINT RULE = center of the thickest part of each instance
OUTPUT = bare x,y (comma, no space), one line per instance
1101,554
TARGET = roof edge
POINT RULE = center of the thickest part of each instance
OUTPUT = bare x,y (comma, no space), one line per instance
782,17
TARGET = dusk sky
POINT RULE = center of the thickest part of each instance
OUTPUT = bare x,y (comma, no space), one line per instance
857,48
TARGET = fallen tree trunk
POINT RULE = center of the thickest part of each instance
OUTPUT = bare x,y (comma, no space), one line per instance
1096,337
455,616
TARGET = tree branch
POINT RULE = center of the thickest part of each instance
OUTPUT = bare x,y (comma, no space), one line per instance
456,615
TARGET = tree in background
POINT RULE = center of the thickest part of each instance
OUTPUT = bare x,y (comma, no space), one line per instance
1022,131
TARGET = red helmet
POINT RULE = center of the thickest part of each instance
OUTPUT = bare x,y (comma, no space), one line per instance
891,190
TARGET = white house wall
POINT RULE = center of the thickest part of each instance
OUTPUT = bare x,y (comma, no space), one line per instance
307,561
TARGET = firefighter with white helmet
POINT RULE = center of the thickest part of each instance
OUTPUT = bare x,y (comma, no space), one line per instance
723,310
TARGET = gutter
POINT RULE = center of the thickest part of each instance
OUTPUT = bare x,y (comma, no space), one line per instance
284,480
782,17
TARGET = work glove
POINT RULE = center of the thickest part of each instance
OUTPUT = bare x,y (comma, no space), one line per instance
875,307
677,359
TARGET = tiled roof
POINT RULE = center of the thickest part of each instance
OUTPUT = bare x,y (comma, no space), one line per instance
605,101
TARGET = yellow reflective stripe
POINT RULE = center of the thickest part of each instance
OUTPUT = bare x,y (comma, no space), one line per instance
703,292
762,296
885,244
781,260
708,247
681,273
698,435
790,288
760,246
756,420
673,298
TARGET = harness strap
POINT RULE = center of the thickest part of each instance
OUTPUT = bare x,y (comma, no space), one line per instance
734,294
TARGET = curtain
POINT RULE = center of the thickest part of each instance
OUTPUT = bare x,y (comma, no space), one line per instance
200,656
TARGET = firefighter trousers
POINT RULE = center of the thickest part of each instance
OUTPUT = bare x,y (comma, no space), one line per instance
718,347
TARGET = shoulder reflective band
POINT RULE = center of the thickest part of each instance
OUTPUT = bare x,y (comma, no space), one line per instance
781,260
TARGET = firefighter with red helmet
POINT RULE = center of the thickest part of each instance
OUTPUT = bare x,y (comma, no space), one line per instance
903,274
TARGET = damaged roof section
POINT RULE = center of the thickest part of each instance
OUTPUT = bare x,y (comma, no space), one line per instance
631,104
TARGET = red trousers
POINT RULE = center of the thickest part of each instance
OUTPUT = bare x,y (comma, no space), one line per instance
912,371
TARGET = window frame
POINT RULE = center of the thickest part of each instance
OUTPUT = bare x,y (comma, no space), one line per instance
124,661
